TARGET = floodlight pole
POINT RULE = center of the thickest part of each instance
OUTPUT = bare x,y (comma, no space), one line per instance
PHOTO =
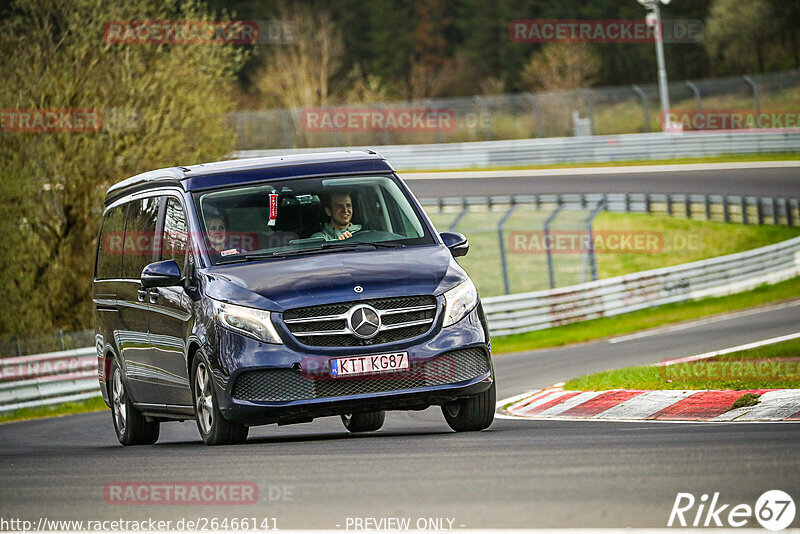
663,91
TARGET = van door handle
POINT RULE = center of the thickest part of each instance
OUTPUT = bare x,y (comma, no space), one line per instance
153,294
141,294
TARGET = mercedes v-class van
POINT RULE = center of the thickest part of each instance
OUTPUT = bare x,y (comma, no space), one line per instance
278,290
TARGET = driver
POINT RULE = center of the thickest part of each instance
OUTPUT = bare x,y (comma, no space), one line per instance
340,211
217,232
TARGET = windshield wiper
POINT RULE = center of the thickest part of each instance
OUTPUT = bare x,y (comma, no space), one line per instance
328,246
386,244
332,247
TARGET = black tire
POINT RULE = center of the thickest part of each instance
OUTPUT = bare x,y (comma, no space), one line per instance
130,426
364,421
213,428
471,413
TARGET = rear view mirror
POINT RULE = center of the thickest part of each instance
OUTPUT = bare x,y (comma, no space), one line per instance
457,243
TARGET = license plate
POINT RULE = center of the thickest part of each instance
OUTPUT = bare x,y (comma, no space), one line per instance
367,365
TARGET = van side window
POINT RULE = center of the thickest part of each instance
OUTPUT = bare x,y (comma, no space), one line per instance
140,230
174,238
109,250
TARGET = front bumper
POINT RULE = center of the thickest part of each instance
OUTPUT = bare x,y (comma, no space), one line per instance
258,383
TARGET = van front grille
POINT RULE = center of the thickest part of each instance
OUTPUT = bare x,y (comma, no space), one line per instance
275,385
327,325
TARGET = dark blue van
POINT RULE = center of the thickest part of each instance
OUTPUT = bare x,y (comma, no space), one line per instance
278,290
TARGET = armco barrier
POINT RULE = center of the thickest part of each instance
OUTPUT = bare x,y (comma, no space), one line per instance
43,379
525,312
547,151
29,381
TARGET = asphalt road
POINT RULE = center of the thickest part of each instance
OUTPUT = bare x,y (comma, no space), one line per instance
515,474
780,181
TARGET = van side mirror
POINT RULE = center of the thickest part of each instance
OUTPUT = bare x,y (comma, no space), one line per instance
457,243
162,274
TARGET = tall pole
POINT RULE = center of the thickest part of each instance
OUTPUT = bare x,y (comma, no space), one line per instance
662,69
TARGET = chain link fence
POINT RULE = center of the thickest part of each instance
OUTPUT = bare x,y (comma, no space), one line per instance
56,341
537,242
593,111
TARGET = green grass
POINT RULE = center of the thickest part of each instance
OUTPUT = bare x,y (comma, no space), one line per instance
89,405
728,158
774,366
746,400
681,241
644,319
684,240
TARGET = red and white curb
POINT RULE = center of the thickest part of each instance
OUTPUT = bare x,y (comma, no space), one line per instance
665,405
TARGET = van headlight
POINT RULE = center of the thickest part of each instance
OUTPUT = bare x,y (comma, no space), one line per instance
248,321
459,301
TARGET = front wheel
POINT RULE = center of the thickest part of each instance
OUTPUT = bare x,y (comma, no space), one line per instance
214,429
130,426
364,421
471,413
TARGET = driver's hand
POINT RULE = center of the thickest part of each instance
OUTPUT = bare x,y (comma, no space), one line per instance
345,235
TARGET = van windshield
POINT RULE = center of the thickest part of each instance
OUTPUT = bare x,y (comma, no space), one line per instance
305,216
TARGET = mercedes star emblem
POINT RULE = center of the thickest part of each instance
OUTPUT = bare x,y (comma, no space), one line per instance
364,321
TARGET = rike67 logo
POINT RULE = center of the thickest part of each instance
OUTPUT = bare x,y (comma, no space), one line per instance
774,510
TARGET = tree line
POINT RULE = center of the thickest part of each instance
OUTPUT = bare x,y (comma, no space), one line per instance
165,105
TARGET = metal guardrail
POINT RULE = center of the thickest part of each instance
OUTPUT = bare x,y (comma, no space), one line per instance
596,149
44,379
744,209
525,312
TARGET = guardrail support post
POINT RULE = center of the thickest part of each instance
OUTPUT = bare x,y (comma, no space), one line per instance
744,211
726,209
760,210
647,203
688,206
503,261
789,214
707,206
547,244
669,204
776,219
